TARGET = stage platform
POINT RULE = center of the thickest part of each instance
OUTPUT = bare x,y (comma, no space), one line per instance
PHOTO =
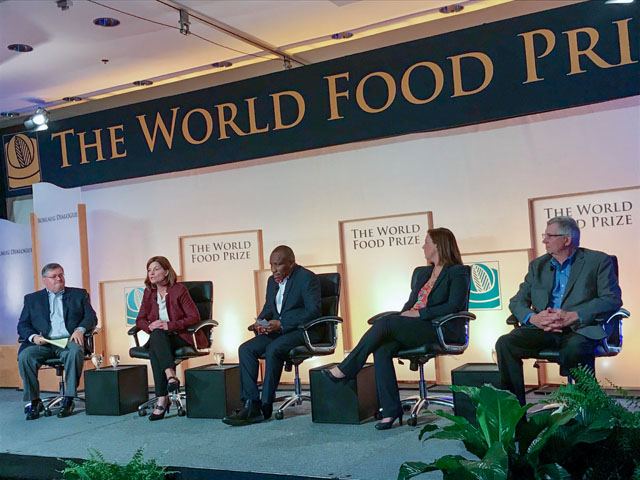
290,449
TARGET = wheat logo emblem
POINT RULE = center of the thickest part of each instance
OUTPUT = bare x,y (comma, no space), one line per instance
22,160
133,300
485,286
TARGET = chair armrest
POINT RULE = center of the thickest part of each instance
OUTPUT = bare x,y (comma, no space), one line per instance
377,317
439,322
513,321
202,324
134,331
89,342
619,315
317,321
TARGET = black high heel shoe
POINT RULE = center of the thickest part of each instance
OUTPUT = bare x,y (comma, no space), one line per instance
389,424
163,408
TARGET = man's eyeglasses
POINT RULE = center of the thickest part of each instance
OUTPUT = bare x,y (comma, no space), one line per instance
60,276
547,236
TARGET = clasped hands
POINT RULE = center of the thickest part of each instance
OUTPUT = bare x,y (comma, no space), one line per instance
77,336
158,324
553,319
270,327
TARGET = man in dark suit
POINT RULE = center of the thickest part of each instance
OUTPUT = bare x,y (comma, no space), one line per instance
54,312
558,304
293,298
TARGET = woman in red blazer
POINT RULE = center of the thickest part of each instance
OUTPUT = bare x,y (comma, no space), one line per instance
166,312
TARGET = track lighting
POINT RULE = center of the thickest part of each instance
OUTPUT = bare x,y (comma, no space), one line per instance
184,22
38,121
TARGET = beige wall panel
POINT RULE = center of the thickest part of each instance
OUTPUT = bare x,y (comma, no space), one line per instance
9,375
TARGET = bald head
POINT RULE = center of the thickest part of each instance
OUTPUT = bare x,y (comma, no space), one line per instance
282,261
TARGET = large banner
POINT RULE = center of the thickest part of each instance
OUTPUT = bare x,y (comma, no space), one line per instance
228,260
560,58
608,221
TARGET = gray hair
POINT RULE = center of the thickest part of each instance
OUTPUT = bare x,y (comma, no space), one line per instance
50,266
567,226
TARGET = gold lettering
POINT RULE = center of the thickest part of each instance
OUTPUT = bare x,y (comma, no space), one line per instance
63,145
84,146
530,54
458,90
575,53
185,126
406,88
251,103
334,94
151,140
224,122
391,92
115,141
623,41
277,113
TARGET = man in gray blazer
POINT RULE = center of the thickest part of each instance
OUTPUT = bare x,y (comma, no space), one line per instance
53,312
293,298
563,295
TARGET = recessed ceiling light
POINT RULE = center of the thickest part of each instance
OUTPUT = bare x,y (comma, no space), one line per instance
106,22
613,2
20,47
342,35
142,83
9,114
451,9
224,64
72,99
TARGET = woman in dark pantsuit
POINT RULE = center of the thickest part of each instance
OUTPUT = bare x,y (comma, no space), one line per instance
166,312
442,288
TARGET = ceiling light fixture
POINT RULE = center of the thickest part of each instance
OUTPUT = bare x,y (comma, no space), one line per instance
64,4
342,35
184,22
72,99
451,8
9,114
106,22
223,64
142,83
613,2
38,121
20,47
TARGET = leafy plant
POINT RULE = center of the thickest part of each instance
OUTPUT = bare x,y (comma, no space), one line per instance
96,467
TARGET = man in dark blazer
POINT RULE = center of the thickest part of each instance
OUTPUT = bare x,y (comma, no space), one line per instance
293,298
53,312
559,303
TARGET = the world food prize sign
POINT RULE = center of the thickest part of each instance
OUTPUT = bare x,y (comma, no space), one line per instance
22,161
133,300
485,286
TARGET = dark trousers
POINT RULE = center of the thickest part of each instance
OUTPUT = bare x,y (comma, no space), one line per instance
384,339
31,358
161,347
526,342
275,349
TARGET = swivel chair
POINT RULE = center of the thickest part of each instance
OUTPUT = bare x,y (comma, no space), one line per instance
202,295
327,325
609,346
419,356
57,363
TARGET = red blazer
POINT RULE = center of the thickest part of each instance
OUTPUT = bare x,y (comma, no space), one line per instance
181,309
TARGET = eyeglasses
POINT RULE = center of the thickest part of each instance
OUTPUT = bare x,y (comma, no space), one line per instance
547,236
60,276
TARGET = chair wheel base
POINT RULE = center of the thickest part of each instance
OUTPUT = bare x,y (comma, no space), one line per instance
412,421
142,413
181,412
279,415
48,413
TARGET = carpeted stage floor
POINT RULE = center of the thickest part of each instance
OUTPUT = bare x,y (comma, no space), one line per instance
288,449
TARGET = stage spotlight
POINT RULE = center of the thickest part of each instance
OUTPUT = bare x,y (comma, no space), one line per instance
184,22
38,121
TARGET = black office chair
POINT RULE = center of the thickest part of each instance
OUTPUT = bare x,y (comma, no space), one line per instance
327,325
57,363
420,355
202,295
608,347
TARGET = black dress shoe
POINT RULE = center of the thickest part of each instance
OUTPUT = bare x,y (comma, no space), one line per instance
66,408
389,424
267,410
163,409
327,374
33,410
173,385
247,415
